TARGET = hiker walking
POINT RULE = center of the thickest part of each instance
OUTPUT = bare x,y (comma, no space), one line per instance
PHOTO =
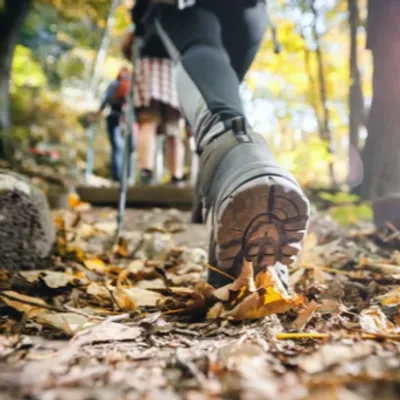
156,101
115,98
255,210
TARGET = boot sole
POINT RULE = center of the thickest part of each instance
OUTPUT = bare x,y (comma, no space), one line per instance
264,221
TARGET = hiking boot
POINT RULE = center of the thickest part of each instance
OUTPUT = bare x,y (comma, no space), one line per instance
178,182
146,177
254,209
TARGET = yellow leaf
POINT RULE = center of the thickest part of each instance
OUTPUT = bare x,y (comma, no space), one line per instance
95,264
74,200
123,300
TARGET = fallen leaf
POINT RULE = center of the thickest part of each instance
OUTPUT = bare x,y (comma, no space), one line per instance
139,297
304,316
107,332
74,200
95,264
244,282
215,311
21,306
373,320
98,291
69,323
247,298
52,279
106,227
390,298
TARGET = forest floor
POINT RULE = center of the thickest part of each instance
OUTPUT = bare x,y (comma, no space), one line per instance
134,321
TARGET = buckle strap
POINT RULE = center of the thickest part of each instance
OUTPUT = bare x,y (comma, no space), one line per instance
211,157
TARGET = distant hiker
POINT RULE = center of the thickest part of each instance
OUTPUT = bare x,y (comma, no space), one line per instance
115,97
156,102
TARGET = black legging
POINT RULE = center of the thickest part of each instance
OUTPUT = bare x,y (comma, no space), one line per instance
213,44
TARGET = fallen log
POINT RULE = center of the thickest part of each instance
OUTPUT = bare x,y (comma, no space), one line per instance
27,231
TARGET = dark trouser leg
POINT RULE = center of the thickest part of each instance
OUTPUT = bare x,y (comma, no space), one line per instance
212,59
116,146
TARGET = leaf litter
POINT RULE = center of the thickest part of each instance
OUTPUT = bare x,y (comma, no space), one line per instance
137,320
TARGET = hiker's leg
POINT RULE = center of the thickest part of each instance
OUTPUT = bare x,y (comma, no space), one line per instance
208,87
255,209
116,153
149,120
175,150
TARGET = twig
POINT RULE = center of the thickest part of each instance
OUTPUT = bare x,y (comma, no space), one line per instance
32,303
301,335
218,271
79,312
311,335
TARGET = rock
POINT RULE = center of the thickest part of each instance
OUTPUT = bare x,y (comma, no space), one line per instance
387,209
27,231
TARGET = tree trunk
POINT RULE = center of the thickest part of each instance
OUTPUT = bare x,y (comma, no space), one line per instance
312,89
326,130
381,156
12,15
356,99
102,53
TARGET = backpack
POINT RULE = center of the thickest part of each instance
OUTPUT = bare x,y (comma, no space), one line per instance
122,91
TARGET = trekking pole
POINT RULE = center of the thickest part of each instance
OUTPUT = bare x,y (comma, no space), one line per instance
130,119
90,152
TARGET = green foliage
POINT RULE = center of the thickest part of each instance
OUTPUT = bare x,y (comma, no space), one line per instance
71,65
339,197
307,161
351,214
25,70
346,208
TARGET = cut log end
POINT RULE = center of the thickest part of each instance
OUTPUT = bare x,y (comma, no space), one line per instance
27,231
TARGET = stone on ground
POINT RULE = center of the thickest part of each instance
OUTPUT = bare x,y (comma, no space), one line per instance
27,231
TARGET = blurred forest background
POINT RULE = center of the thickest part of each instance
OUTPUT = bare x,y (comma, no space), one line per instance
311,100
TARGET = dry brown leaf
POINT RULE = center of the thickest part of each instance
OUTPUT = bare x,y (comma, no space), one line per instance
98,291
107,332
123,301
151,284
390,298
143,297
215,311
244,282
52,279
108,228
69,323
304,316
29,310
373,320
254,299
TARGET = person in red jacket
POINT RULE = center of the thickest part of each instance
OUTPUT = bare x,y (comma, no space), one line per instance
115,98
